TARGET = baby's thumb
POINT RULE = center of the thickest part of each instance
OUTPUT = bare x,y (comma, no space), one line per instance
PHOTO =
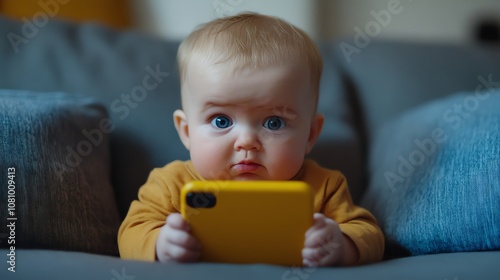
176,221
319,220
318,223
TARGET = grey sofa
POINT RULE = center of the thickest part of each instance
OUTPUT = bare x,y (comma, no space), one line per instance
133,82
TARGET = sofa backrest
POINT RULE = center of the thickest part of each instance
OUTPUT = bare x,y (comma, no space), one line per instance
133,75
136,78
389,77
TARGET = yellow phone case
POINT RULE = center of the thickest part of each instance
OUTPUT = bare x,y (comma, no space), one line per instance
249,221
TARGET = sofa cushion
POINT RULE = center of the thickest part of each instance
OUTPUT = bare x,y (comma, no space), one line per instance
435,176
134,76
48,264
55,160
390,77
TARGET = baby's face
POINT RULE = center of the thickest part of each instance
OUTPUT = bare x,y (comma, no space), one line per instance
248,124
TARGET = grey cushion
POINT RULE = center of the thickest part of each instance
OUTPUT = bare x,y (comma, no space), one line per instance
390,77
435,176
55,154
44,264
134,76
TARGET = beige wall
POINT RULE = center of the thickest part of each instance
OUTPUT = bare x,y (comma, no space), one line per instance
429,20
175,19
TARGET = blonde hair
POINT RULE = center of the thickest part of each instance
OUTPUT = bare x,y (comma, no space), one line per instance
251,40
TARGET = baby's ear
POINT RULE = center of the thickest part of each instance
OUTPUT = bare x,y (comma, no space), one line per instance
181,125
314,132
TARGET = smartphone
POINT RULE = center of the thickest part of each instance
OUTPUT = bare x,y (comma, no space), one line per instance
249,221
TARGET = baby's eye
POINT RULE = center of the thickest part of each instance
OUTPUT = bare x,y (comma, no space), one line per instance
221,122
274,123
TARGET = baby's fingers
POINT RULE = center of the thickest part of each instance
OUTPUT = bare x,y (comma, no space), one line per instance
182,254
321,256
176,221
319,222
312,256
319,238
183,239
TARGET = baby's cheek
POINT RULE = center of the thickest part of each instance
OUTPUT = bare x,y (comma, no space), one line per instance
209,160
286,162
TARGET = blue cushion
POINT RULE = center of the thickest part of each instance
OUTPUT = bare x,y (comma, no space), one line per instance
55,154
134,76
435,176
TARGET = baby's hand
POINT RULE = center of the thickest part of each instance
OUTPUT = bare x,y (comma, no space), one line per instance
175,243
324,243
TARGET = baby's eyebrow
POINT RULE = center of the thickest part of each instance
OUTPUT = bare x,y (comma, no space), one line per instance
283,111
211,104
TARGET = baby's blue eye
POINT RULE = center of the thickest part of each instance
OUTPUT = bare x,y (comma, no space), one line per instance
274,123
221,122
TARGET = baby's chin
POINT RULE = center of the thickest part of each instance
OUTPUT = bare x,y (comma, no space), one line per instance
255,177
249,177
240,177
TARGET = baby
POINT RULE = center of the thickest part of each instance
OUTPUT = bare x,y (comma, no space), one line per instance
249,86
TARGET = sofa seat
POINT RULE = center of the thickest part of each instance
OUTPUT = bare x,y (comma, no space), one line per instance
51,264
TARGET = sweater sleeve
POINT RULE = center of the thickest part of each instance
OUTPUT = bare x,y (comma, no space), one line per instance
139,230
355,222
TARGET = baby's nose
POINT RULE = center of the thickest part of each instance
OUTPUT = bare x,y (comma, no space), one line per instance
248,139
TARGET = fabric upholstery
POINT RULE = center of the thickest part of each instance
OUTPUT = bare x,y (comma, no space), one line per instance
435,176
58,145
390,77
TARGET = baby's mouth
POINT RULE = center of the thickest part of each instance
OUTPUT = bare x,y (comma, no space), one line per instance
245,167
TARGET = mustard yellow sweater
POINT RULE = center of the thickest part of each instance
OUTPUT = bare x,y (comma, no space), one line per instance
160,196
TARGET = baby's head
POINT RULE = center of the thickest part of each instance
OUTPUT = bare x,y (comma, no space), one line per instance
249,86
